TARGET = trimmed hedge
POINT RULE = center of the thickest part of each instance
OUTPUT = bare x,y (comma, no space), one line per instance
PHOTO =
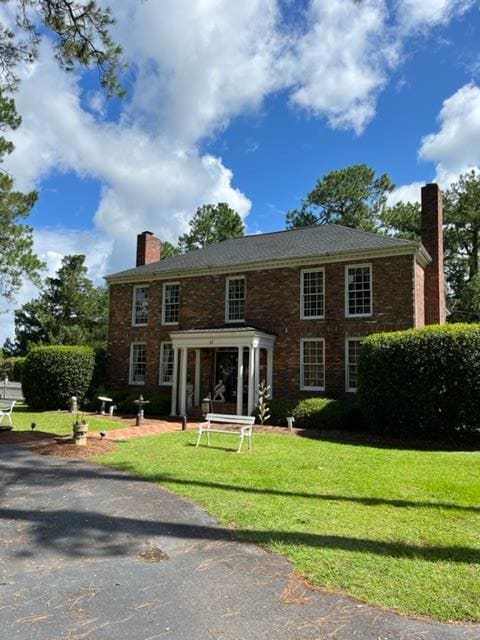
51,375
422,382
159,404
321,413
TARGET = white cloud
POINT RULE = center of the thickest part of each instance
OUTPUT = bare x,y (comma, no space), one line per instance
51,245
422,14
455,147
340,64
405,193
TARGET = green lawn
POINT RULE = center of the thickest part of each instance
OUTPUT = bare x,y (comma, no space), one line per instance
397,528
58,422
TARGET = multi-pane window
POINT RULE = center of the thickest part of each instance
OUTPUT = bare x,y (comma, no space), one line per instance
313,294
312,364
352,352
358,290
171,303
140,305
166,363
235,300
138,362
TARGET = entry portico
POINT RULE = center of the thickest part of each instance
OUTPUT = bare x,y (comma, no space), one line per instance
240,338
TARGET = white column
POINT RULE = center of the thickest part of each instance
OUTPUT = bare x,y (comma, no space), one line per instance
251,380
182,400
173,411
270,370
257,373
197,377
240,382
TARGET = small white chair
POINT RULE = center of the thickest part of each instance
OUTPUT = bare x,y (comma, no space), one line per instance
6,409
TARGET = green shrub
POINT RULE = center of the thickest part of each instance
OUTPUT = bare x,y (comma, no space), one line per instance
279,409
321,413
51,375
18,369
159,403
98,377
422,382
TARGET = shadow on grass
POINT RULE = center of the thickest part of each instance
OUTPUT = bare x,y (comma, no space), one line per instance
377,441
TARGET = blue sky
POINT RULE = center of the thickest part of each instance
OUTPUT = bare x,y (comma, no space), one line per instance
248,103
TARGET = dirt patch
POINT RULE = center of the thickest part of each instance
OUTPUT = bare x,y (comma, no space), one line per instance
70,450
20,437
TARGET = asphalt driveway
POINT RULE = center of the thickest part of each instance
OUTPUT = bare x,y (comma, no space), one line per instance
92,553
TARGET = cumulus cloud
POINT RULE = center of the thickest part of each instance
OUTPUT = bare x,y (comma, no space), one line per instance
453,149
422,14
340,64
51,245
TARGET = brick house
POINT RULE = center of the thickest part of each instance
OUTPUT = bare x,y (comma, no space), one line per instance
289,307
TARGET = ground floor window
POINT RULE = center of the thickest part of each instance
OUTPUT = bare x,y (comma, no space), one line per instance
312,364
138,362
352,352
166,363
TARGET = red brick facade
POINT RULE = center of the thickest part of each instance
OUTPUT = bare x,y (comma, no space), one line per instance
273,304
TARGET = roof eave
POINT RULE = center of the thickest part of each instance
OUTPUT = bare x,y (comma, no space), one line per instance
338,256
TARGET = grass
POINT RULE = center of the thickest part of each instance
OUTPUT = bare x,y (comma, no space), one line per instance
58,422
395,528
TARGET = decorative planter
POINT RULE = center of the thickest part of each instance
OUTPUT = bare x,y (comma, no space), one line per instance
80,430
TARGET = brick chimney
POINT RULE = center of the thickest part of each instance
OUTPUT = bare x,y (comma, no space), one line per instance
148,248
432,240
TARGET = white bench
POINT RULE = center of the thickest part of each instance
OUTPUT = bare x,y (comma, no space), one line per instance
242,426
6,408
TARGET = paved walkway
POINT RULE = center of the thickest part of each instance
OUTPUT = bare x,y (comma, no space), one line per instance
90,553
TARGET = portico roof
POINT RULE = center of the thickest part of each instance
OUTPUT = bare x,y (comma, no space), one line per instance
222,337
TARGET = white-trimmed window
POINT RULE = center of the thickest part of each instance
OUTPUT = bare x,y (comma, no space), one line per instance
352,353
358,290
140,305
171,303
235,299
138,362
312,294
166,363
312,364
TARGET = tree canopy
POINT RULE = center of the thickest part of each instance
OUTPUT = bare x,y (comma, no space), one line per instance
80,35
353,196
70,310
211,223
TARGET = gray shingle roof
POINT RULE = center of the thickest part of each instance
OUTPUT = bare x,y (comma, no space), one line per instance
321,240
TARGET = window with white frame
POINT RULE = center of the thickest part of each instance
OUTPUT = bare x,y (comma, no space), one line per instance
358,289
352,353
312,364
312,294
166,363
171,303
140,305
235,299
138,362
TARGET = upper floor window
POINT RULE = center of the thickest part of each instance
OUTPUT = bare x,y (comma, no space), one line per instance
358,290
166,363
235,299
138,362
312,294
140,305
352,353
171,303
312,364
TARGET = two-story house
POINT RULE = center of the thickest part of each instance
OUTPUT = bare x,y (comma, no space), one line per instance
289,307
